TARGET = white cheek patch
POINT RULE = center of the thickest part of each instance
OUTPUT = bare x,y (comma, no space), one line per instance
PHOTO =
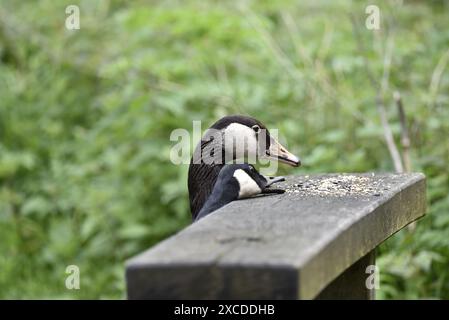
240,141
248,187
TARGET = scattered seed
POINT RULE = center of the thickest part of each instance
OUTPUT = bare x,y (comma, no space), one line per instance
339,186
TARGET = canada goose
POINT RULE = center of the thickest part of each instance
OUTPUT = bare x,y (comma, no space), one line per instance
236,181
226,135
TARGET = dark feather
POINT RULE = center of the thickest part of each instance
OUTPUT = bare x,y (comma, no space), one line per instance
201,181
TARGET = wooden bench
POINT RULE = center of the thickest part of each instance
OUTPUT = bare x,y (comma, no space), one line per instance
317,240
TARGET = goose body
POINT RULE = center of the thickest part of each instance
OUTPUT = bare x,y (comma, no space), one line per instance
218,146
236,181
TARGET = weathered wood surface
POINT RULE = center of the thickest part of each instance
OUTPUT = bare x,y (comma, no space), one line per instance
288,246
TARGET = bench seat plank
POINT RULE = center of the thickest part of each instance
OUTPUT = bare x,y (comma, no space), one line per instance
288,246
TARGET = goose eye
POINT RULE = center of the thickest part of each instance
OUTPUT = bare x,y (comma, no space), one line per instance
256,128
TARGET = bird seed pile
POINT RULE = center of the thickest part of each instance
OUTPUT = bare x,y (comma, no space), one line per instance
339,186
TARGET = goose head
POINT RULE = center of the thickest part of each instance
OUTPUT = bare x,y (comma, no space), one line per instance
230,139
237,181
237,137
250,181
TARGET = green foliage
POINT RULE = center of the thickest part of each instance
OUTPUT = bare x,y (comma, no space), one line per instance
86,115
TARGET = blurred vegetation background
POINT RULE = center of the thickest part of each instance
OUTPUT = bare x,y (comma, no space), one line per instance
86,115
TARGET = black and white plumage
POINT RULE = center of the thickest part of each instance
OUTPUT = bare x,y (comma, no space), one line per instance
226,135
236,181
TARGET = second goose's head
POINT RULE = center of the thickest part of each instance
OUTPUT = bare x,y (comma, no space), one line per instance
237,181
239,136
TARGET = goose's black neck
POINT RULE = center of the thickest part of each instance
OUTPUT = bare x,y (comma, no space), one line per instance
202,176
201,180
222,194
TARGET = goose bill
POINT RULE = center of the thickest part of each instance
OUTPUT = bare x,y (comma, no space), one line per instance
281,154
272,180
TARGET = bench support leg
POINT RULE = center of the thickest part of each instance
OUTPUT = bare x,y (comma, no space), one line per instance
352,283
